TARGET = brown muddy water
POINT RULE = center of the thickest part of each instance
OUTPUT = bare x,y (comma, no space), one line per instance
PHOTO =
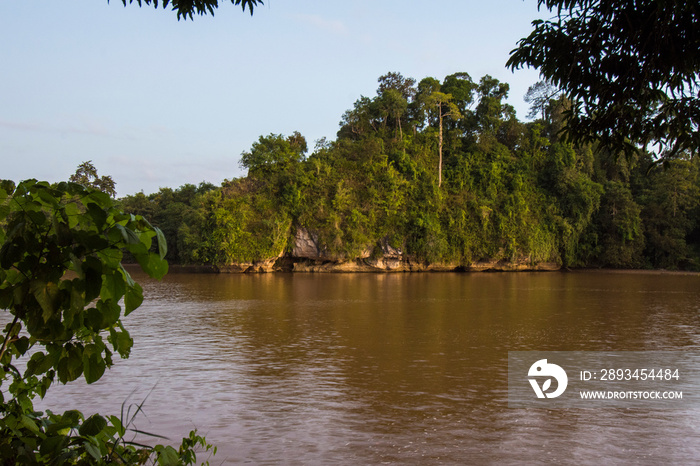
393,369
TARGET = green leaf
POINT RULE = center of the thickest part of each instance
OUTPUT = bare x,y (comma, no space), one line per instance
93,278
37,217
98,215
133,298
7,187
93,451
93,319
48,198
162,244
45,294
128,235
94,367
102,199
112,286
70,366
71,417
72,212
29,423
11,252
38,364
92,426
51,447
122,341
21,345
117,423
153,265
110,312
167,456
77,303
112,257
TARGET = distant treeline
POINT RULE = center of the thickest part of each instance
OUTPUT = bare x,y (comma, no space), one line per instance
444,172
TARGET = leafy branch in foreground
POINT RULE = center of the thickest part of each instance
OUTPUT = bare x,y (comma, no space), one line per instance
61,281
187,8
630,68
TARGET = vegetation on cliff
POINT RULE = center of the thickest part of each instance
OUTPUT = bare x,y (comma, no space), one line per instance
441,171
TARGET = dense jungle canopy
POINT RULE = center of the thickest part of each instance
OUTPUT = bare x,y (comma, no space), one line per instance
443,171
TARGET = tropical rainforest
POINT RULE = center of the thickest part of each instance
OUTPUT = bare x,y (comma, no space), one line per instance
442,172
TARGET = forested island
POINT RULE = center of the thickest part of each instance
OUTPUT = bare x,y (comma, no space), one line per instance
437,175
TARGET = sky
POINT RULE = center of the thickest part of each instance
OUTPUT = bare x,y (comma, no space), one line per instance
156,102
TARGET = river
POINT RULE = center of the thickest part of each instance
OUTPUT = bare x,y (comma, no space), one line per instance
393,368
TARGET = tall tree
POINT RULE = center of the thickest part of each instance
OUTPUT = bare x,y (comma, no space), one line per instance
394,80
442,106
393,97
630,68
538,96
491,112
86,175
461,87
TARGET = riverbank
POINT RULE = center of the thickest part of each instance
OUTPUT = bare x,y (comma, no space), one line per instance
477,267
635,271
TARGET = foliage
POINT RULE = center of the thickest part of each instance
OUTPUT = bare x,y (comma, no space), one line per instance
538,96
244,227
508,190
273,153
670,202
177,212
61,281
187,8
631,69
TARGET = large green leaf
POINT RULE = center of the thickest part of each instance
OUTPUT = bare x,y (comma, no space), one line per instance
153,265
92,425
162,244
94,367
112,286
167,456
128,235
133,298
46,294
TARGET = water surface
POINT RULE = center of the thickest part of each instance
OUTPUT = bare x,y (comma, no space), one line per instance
393,369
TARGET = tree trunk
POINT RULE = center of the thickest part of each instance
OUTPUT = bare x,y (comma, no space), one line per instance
440,146
403,146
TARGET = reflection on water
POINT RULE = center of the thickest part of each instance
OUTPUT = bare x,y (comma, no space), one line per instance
405,368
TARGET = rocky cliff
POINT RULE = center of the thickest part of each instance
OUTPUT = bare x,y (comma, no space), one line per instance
309,255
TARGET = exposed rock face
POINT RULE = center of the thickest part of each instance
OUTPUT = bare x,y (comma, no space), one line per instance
306,245
392,265
391,259
308,255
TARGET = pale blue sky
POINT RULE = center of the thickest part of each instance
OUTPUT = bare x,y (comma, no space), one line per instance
155,102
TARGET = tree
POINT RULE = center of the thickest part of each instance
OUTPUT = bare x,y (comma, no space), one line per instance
442,106
394,80
630,68
393,96
491,112
391,104
86,175
670,206
538,96
358,122
61,282
461,87
187,8
273,152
